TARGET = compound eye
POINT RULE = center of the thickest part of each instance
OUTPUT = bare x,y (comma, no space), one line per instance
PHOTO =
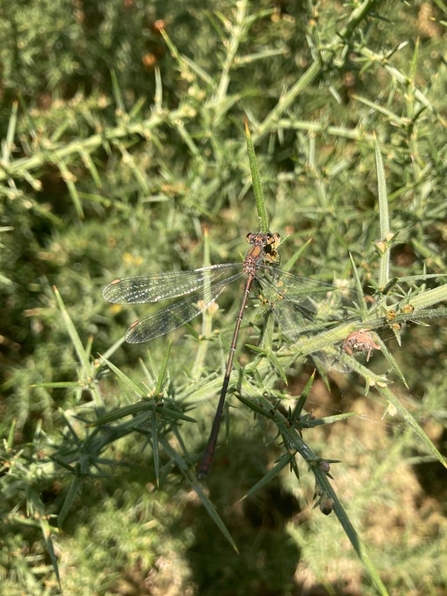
250,238
270,242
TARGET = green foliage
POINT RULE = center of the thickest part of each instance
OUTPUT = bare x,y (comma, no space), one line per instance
124,152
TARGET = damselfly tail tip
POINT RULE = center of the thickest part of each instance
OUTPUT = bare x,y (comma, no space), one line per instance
203,470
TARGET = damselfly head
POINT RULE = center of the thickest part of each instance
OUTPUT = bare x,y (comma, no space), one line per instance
266,239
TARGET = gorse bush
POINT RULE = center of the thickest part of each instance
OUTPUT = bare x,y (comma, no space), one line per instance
124,153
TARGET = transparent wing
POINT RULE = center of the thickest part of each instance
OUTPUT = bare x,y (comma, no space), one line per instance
332,359
173,316
306,306
161,286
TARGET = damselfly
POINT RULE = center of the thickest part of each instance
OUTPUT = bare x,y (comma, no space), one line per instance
300,305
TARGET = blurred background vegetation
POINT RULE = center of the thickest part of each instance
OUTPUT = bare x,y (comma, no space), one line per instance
122,144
